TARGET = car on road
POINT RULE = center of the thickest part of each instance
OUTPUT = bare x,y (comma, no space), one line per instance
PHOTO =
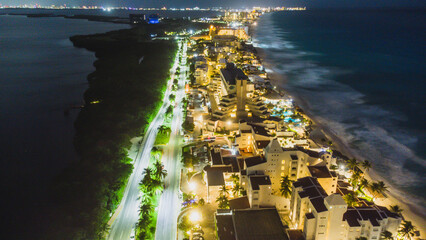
209,139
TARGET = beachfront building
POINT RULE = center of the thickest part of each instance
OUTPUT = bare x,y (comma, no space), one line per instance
327,217
252,137
259,191
257,107
239,32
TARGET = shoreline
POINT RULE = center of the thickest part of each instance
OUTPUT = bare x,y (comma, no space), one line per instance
410,211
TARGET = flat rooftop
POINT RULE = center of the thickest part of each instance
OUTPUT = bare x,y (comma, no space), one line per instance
312,190
258,224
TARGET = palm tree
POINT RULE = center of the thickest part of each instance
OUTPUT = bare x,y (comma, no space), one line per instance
386,235
396,209
382,188
163,129
374,188
366,165
145,209
285,188
356,176
407,230
223,190
222,201
236,189
363,183
352,164
147,178
382,185
149,183
235,178
351,199
169,110
159,171
378,188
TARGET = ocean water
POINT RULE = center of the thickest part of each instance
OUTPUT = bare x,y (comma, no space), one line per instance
41,75
362,73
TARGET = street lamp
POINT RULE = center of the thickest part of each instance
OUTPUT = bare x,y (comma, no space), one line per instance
192,186
195,216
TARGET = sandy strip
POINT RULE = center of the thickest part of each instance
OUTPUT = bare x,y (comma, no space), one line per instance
410,211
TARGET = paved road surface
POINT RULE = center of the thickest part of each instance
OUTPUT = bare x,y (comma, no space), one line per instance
169,203
126,215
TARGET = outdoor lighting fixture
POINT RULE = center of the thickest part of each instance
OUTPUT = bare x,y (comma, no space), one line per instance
195,216
192,186
229,123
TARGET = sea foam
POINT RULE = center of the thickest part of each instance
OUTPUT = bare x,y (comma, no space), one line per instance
371,131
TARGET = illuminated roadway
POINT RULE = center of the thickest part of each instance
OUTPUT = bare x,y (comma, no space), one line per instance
169,203
126,215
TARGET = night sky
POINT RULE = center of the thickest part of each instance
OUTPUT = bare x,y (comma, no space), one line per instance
228,3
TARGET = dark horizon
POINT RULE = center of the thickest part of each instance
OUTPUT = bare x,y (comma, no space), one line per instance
319,4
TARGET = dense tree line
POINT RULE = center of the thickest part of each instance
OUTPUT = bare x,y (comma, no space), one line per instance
124,94
151,186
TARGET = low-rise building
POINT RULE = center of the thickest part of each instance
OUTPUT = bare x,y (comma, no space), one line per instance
250,224
259,191
327,217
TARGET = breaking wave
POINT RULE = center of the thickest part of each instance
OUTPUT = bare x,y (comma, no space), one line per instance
371,131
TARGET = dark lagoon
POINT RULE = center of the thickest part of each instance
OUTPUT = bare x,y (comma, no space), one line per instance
41,76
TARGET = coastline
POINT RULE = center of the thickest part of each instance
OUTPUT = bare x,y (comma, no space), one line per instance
411,211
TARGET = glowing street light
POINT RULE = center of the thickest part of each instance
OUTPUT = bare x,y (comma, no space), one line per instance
192,186
195,216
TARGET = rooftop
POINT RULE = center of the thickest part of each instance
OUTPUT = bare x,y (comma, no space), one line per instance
225,227
257,180
311,153
233,162
259,129
374,214
253,161
239,203
312,190
261,144
230,73
216,157
258,224
320,172
215,175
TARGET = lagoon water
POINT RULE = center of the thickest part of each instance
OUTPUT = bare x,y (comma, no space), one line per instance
41,75
362,73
